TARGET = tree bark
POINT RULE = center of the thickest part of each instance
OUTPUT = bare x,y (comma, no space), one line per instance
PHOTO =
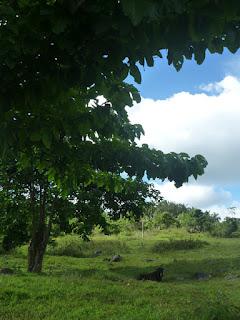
40,234
37,249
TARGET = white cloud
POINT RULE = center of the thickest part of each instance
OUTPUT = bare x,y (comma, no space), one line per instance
197,124
202,123
204,197
195,195
229,84
225,211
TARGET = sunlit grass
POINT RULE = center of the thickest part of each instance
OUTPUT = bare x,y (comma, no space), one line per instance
93,288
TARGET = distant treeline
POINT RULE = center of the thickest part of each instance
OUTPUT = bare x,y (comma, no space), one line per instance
155,216
167,214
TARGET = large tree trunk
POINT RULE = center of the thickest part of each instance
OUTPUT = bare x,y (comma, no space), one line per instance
36,250
40,234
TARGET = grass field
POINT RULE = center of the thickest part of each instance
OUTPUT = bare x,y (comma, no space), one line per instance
75,284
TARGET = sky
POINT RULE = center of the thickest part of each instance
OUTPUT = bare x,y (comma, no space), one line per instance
196,110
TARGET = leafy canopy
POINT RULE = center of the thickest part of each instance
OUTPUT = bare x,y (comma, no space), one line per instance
57,56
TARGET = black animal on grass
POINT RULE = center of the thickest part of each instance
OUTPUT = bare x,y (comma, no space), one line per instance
156,275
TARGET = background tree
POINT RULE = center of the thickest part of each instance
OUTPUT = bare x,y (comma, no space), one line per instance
227,228
168,206
163,220
196,220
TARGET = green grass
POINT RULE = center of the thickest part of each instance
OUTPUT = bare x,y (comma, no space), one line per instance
182,244
74,247
87,287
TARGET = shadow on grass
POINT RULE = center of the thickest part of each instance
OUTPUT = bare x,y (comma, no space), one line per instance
180,270
176,271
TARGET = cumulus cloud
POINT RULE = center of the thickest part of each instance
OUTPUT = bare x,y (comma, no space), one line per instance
205,197
197,124
206,123
227,211
194,195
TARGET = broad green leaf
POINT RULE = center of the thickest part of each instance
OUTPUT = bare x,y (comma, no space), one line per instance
134,71
149,60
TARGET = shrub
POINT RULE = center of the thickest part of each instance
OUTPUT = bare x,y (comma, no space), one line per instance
187,221
74,246
197,221
226,229
67,246
171,245
163,220
123,225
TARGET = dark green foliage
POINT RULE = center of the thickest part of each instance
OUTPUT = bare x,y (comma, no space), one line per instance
15,235
77,212
14,223
56,59
58,48
55,65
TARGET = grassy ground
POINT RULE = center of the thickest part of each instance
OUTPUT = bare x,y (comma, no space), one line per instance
83,286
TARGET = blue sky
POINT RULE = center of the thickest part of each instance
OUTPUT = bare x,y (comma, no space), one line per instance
202,102
162,80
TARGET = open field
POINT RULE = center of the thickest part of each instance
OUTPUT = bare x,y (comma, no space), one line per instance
84,286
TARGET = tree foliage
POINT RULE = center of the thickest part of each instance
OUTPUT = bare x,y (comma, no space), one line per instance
227,228
58,57
50,47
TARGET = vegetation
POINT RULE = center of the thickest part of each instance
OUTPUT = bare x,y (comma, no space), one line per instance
92,287
174,245
69,160
166,215
58,135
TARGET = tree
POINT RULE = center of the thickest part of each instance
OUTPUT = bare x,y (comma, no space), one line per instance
30,205
49,47
228,228
163,220
171,207
57,57
196,220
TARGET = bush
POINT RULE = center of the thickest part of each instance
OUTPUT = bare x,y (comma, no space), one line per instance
172,245
124,226
163,220
66,246
226,229
188,221
197,221
74,246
